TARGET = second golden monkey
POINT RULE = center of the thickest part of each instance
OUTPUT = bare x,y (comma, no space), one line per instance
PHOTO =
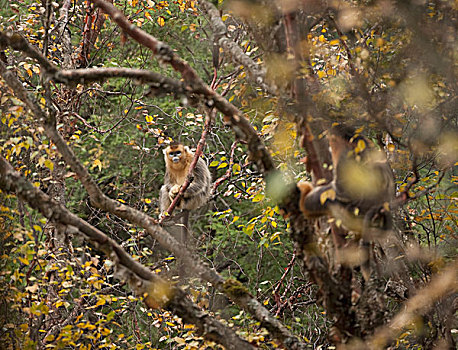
360,192
178,158
363,182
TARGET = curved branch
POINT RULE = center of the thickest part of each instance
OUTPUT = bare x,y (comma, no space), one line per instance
157,291
233,117
222,37
238,294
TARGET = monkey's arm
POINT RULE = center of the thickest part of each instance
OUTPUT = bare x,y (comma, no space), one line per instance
164,198
201,180
316,201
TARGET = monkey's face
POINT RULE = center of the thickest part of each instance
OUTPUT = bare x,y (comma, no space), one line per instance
175,156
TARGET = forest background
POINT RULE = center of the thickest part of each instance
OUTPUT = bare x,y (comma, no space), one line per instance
93,91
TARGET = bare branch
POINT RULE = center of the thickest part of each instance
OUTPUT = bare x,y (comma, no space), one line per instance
222,37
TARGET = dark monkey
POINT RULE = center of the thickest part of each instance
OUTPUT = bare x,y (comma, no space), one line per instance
361,190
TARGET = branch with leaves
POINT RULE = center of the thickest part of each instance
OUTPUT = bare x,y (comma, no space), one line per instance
233,289
232,115
156,291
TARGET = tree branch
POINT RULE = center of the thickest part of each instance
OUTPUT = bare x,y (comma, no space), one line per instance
237,293
222,37
156,291
232,116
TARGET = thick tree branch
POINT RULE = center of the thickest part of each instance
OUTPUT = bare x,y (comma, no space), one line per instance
18,42
93,23
237,293
158,82
157,291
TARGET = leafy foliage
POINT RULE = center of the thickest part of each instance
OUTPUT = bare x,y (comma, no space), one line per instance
361,65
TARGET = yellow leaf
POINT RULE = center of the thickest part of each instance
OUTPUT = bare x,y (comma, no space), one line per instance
149,119
236,168
259,197
360,146
49,164
24,261
100,302
161,21
321,74
329,194
97,163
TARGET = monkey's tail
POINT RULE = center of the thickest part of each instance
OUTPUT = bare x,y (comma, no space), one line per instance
365,248
365,244
184,236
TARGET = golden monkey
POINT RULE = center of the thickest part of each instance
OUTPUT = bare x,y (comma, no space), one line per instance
178,158
360,192
363,180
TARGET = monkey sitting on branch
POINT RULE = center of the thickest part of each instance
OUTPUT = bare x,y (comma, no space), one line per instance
358,197
178,159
